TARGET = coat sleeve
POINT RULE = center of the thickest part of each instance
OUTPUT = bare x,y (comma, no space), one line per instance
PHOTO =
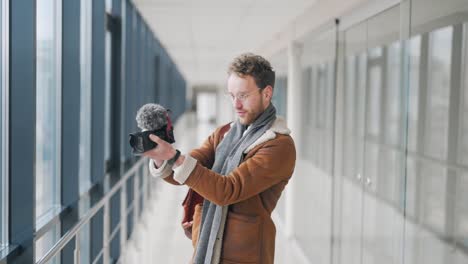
272,163
204,154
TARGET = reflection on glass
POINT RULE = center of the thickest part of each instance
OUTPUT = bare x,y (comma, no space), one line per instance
463,156
349,117
414,69
371,168
373,99
439,63
393,98
433,192
47,109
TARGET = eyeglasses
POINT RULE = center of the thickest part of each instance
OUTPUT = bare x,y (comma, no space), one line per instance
240,96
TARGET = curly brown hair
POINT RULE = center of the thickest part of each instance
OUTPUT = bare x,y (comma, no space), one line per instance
255,66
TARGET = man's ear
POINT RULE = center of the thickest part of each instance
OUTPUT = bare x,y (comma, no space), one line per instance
268,92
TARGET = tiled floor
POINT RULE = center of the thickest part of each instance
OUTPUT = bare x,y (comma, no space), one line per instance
161,239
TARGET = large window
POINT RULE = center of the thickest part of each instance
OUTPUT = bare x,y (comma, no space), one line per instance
48,119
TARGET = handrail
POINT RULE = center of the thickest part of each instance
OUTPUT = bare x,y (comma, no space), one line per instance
67,237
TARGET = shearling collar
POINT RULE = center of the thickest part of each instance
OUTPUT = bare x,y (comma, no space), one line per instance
278,127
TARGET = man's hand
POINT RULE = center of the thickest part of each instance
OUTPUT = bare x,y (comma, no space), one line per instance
163,151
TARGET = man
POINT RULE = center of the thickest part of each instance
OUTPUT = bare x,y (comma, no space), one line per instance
240,171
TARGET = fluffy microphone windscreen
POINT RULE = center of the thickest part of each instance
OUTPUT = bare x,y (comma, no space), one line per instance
151,117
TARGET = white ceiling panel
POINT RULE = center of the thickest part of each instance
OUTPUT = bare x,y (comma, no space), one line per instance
204,36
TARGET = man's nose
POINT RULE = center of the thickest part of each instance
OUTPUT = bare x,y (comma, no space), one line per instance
237,103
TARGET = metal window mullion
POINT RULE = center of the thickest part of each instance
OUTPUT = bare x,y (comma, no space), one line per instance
76,253
106,233
5,122
123,84
58,103
22,110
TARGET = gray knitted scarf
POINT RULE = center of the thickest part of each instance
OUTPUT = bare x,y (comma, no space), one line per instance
228,156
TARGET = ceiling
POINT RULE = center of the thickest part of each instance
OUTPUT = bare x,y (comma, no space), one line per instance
204,36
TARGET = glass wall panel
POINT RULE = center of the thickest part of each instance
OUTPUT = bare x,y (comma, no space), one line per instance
48,107
349,224
315,159
436,165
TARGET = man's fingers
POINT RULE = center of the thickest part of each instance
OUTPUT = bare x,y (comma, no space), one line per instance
187,224
155,138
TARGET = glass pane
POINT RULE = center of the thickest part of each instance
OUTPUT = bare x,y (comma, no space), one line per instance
47,109
85,95
382,222
439,63
318,55
393,96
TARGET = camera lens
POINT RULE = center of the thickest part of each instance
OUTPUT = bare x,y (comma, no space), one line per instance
139,144
136,142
